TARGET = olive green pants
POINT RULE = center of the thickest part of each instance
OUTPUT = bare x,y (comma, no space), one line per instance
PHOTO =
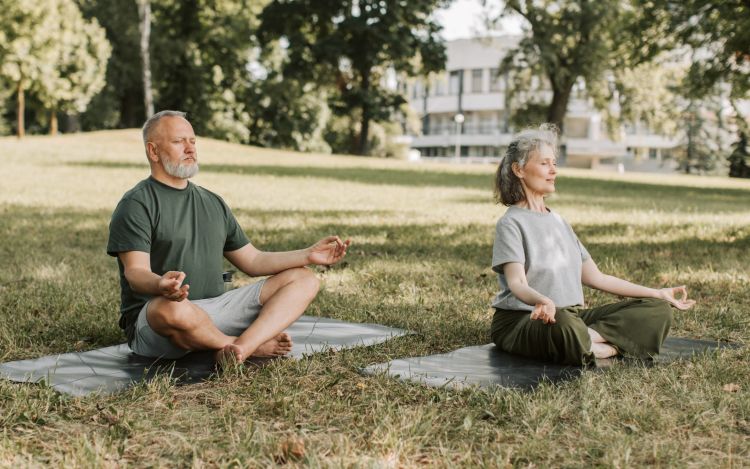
637,327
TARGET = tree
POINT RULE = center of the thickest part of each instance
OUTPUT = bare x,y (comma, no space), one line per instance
26,46
121,103
201,50
564,40
144,26
720,31
577,43
349,45
739,160
80,52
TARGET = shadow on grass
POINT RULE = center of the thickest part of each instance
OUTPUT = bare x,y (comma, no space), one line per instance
450,261
573,191
376,176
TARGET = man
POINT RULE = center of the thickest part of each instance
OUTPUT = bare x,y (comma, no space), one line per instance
169,235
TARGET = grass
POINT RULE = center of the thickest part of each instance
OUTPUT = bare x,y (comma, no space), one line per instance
422,244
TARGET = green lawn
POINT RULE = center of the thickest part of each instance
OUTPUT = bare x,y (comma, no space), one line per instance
422,239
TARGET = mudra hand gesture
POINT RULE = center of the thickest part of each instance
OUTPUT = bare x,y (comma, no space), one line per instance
327,251
677,297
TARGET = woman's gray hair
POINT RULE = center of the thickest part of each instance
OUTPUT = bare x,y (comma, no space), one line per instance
150,124
508,188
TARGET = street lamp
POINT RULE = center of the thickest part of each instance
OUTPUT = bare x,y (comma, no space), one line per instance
458,119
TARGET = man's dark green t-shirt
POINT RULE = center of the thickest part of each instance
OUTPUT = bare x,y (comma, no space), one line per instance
185,230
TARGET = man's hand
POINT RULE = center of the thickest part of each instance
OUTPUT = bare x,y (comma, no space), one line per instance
544,310
680,302
327,251
171,287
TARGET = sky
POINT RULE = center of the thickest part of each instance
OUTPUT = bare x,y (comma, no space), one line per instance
463,19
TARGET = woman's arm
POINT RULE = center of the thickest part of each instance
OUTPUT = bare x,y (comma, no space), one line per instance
592,277
544,308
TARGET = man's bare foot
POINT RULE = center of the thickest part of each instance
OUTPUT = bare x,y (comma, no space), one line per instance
230,354
276,347
603,350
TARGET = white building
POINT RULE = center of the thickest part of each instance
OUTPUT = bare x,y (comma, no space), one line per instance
471,87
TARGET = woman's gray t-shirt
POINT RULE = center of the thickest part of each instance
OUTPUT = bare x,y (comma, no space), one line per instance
550,252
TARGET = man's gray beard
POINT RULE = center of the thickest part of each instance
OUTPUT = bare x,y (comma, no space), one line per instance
180,171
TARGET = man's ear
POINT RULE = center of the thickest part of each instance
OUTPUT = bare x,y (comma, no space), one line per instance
517,170
151,152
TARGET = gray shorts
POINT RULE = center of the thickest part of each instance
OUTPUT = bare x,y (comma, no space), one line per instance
232,313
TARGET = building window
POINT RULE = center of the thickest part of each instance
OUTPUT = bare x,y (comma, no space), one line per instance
653,153
439,86
455,82
476,80
497,81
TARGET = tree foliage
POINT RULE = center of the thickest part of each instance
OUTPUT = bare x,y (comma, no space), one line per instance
27,31
121,103
348,47
47,47
80,53
563,41
720,34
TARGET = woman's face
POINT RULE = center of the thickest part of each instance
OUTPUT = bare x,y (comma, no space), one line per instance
538,176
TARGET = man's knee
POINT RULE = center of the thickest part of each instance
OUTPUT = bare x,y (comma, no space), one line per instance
301,279
309,281
305,279
166,314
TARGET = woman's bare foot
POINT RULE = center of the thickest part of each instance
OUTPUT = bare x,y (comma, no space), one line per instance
596,338
603,350
277,347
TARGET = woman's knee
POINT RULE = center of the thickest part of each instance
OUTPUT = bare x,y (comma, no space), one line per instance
570,339
660,310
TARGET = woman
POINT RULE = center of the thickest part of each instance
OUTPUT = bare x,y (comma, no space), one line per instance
541,264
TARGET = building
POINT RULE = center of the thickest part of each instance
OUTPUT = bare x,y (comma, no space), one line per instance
463,110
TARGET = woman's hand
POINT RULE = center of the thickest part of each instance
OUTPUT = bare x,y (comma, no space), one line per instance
544,310
677,297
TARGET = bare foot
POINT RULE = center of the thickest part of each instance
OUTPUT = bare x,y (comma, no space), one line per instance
603,350
276,347
596,337
230,354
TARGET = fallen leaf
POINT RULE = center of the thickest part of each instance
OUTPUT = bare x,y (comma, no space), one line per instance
731,387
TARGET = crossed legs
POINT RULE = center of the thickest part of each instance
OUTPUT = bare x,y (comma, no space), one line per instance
599,345
284,297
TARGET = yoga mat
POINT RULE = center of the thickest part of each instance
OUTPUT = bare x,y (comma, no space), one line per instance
115,368
487,366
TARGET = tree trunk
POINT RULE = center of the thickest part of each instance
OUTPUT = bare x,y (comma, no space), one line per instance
21,126
364,130
559,106
144,25
53,122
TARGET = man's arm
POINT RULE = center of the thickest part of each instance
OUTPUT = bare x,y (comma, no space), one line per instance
254,262
142,280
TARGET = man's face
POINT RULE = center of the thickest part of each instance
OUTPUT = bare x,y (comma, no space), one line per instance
173,143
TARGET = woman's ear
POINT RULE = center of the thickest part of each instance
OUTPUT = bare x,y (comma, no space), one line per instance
517,170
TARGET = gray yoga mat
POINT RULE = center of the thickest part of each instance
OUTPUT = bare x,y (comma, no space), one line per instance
487,366
115,368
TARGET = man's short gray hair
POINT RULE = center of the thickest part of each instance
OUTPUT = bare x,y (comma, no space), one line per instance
508,188
150,124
